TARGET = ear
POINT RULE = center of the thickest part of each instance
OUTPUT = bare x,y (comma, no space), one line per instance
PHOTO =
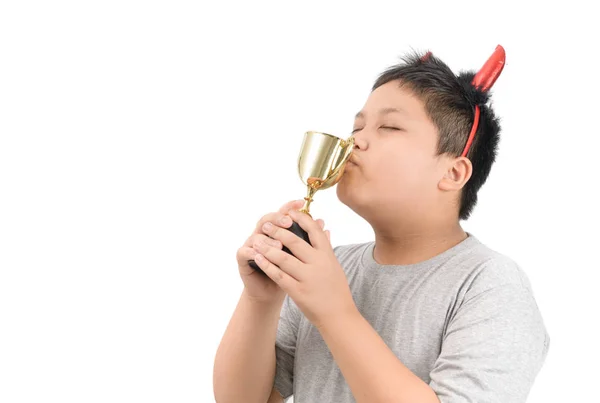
457,174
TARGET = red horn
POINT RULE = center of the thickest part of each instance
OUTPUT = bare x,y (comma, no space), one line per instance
487,75
483,81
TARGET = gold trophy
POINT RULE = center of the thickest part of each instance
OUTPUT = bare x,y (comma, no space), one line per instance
321,164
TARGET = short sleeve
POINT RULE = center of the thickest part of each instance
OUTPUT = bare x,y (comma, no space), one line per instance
285,347
493,348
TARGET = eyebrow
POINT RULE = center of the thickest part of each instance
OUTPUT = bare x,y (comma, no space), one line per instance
384,111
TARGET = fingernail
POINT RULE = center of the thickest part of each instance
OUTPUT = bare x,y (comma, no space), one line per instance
267,226
285,220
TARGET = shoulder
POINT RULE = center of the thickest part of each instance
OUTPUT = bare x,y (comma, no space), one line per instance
472,266
350,256
350,251
487,268
495,287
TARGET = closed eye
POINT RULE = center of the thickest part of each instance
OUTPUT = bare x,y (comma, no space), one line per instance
382,127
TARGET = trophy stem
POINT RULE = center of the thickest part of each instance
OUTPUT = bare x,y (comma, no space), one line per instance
308,199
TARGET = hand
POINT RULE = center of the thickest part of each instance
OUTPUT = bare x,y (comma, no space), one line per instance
256,285
313,277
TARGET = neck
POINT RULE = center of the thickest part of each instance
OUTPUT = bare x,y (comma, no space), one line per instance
403,247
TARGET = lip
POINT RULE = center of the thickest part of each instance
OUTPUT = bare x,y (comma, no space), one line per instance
352,161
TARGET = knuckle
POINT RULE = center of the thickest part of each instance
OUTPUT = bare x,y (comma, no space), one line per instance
284,220
262,220
275,231
251,241
284,258
244,253
258,238
286,206
272,242
289,238
302,288
271,217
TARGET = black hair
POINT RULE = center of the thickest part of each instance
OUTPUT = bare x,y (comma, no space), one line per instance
450,101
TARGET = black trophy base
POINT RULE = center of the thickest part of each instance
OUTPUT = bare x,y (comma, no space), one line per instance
296,229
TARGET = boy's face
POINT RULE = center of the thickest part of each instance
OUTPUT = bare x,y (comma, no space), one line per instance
397,169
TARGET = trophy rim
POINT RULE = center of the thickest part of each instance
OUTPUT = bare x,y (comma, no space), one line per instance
326,134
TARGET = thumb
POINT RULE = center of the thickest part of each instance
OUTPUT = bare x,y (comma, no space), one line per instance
292,205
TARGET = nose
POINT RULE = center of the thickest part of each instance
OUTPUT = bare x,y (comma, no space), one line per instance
360,143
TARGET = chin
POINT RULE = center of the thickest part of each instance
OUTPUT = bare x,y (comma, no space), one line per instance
350,196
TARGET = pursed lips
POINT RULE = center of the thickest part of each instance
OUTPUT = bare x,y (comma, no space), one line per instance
352,161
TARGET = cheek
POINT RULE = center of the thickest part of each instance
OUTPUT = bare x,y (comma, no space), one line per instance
398,172
395,164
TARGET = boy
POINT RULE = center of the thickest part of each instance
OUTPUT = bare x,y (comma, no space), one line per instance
426,312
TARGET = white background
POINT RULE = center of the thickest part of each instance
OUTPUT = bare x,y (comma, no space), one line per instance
141,141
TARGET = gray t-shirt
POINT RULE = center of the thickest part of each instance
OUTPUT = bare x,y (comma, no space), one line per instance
465,322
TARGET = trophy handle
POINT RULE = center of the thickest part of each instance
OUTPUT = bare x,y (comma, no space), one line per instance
297,230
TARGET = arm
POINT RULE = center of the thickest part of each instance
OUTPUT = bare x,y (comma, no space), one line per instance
275,397
314,279
492,351
493,348
245,361
372,371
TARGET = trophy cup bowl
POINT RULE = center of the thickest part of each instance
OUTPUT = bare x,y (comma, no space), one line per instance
321,164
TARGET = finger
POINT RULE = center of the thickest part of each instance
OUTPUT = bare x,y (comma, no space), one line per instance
283,260
315,234
281,278
321,223
262,237
245,253
293,205
298,246
281,219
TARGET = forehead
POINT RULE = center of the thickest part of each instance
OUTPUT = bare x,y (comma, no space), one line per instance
392,95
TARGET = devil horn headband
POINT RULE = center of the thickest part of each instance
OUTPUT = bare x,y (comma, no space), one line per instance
483,81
